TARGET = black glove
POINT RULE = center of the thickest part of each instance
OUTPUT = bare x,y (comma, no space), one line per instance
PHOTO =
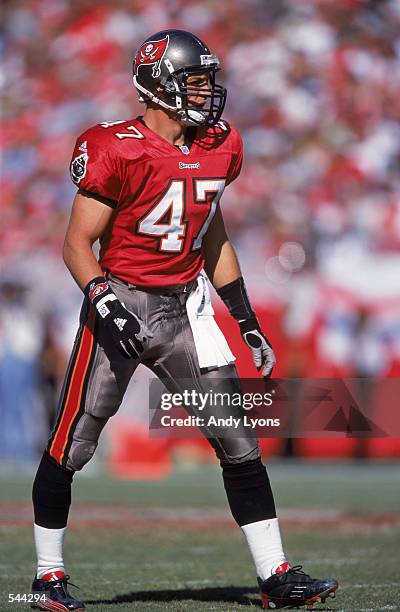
127,331
263,354
235,297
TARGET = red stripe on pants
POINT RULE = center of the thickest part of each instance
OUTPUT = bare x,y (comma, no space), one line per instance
73,399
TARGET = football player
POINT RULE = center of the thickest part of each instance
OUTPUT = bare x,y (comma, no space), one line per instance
149,190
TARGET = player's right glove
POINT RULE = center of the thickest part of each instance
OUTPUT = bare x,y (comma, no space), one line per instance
128,333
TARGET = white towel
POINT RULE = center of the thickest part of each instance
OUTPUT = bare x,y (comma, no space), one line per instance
212,348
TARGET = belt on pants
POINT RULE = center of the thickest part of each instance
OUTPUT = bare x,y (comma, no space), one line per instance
165,290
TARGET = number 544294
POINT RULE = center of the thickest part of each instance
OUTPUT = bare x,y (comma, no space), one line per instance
26,597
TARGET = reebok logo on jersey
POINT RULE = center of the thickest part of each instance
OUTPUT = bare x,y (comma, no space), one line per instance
120,323
183,166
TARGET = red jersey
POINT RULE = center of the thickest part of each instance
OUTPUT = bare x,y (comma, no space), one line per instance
164,197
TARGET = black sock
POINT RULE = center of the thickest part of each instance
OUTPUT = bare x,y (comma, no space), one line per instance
51,494
249,492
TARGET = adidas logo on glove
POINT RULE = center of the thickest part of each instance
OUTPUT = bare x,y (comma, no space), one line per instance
120,323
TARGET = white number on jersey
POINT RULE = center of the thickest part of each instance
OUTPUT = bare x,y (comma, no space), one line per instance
133,131
173,204
107,124
203,187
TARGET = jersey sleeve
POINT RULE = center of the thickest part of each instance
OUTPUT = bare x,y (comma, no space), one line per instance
94,170
237,156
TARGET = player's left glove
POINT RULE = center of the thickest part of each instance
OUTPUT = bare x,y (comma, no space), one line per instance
263,354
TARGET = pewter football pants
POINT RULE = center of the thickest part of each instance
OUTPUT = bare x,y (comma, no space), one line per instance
97,377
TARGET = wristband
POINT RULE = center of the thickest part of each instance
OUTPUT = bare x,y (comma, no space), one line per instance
249,325
98,291
234,296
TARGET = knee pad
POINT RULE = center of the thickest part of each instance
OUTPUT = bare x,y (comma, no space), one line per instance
234,451
80,454
84,441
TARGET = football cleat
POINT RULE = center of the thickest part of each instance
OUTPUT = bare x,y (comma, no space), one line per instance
291,587
56,597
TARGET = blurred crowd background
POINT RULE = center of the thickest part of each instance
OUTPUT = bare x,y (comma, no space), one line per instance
313,86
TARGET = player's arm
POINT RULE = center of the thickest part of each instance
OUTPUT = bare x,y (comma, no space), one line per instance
221,264
88,222
222,268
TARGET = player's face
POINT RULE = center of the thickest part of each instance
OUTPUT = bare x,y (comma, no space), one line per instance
196,85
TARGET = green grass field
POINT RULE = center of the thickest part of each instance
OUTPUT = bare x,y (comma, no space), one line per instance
171,545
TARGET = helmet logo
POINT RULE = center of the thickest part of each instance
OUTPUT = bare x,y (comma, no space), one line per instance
152,52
